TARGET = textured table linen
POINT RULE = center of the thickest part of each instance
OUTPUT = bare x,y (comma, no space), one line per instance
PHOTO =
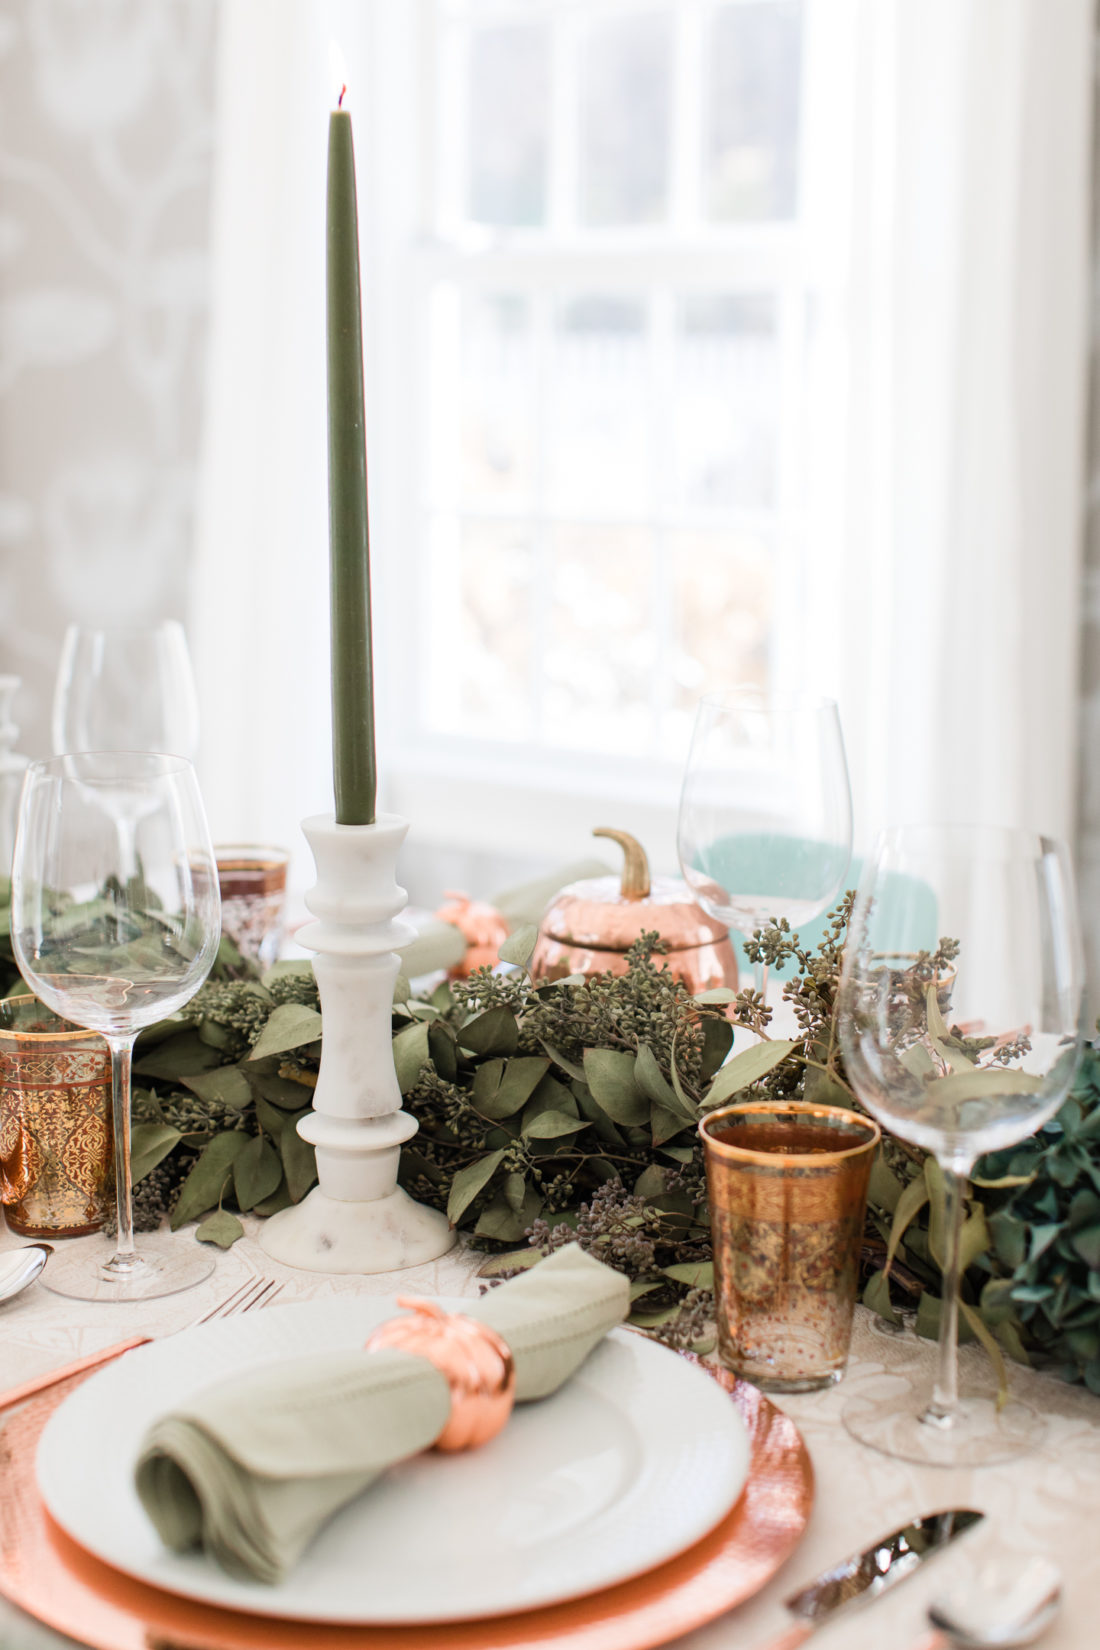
1047,1503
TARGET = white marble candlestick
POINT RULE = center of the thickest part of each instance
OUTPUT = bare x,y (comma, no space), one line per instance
357,1219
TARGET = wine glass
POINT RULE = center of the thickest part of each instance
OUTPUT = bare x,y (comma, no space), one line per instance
126,690
765,828
959,1018
115,923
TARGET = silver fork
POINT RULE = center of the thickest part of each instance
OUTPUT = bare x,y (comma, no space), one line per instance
255,1292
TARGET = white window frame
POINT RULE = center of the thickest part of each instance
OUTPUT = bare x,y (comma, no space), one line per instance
476,794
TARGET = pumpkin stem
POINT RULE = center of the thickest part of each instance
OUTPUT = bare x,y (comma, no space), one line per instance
635,880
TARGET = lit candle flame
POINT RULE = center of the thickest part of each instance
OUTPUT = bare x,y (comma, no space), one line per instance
338,70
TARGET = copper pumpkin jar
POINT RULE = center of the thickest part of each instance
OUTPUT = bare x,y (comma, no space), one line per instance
590,926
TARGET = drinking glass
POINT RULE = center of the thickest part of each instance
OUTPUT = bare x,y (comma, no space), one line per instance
765,828
959,1017
126,690
115,923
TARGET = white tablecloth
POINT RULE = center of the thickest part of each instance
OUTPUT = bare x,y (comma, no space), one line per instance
1047,1503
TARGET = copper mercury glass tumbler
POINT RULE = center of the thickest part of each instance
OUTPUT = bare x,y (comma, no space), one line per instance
787,1185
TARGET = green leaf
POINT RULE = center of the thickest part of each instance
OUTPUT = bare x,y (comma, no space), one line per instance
209,1178
402,990
884,1188
503,1087
569,1066
270,1118
279,1200
228,1086
469,1181
717,1042
720,994
1086,1241
505,1224
909,1204
651,1182
493,1032
552,1125
519,947
299,1158
283,1092
291,1025
876,1296
697,1274
410,1054
221,1228
747,1068
609,1074
516,1260
150,1144
443,1051
257,1171
181,1056
992,1350
980,1083
974,1238
665,1125
651,1080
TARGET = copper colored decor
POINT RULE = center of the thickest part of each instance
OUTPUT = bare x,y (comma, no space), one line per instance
52,1578
56,1164
481,926
787,1185
589,927
252,884
474,1359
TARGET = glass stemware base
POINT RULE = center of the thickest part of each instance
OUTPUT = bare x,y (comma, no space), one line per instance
162,1266
978,1434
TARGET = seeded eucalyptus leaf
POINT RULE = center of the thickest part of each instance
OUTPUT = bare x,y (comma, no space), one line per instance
228,1086
442,1051
570,1066
717,1042
410,1054
610,1076
505,1224
877,1296
697,1274
469,1181
209,1179
721,994
552,1125
290,1026
516,1260
279,1200
665,1125
150,1144
549,1095
493,1032
514,1187
503,1087
221,1228
884,1188
402,990
299,1159
283,1092
651,1182
270,1118
257,1170
747,1068
909,1205
290,967
519,947
184,1055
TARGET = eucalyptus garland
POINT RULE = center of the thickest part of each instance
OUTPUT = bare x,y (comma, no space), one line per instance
568,1111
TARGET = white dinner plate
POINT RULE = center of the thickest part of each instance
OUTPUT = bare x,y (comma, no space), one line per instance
638,1456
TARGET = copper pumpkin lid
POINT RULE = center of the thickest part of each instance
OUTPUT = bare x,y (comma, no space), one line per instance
610,913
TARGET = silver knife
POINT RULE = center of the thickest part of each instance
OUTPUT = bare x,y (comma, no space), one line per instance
865,1575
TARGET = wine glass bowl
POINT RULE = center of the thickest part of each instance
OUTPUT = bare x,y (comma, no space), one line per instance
126,689
115,924
765,824
960,1023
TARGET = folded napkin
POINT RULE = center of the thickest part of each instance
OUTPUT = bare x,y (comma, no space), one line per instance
251,1470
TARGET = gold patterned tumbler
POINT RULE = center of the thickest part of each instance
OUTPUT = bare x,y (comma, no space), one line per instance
56,1163
787,1185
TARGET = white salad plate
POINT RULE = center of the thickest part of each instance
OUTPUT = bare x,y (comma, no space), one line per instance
637,1457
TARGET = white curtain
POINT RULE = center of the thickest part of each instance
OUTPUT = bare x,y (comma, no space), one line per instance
945,408
953,640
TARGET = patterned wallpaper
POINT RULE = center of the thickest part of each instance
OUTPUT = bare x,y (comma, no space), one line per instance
106,110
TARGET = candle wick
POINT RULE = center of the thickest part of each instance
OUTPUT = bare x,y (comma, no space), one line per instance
340,99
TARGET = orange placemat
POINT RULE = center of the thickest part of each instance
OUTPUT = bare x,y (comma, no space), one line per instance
50,1577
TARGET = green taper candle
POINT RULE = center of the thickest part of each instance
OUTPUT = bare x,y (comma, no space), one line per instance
355,780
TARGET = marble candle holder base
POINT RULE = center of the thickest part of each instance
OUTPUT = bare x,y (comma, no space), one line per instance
357,1219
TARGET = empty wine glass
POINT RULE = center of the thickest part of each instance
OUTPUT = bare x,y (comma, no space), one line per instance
765,828
959,1018
115,923
128,689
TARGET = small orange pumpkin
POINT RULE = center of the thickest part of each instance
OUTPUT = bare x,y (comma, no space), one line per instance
481,926
475,1360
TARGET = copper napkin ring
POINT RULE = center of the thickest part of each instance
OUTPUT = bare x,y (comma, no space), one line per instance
474,1359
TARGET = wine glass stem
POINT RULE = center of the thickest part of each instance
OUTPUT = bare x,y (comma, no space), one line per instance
124,1258
942,1410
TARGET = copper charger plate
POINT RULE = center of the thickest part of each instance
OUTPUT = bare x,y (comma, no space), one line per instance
52,1578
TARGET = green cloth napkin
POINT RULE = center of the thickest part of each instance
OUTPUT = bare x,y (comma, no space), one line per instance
250,1472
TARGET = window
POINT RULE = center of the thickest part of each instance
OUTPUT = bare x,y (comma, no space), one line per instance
615,300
